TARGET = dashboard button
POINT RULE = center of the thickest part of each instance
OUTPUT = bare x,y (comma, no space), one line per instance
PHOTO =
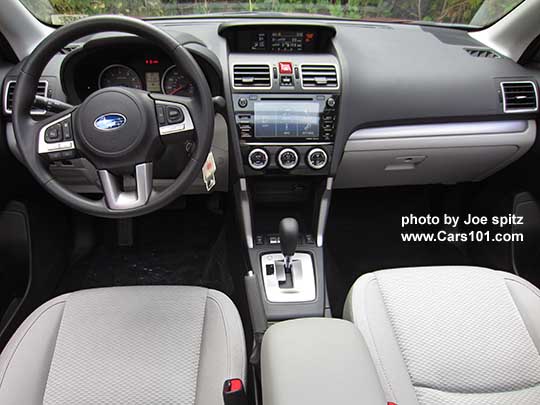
331,102
285,68
286,81
242,102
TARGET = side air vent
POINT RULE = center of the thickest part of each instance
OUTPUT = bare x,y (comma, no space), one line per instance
319,76
252,76
43,85
482,53
519,97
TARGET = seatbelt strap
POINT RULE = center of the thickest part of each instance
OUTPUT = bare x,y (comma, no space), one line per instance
234,392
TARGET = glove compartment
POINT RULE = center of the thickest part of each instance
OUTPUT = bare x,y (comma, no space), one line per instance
445,153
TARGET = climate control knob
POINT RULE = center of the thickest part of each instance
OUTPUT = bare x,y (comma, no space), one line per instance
287,158
317,158
258,159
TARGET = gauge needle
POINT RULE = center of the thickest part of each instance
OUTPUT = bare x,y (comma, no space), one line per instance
177,90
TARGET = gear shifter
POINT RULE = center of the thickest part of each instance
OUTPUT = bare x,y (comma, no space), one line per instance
288,236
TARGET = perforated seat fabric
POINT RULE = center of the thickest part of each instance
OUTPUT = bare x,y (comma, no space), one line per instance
125,345
450,335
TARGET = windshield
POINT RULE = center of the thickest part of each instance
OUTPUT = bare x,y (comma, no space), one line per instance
474,13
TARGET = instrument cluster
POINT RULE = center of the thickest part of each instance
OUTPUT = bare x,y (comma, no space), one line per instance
128,64
153,78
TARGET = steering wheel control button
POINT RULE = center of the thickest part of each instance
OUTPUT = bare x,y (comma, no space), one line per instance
243,102
317,158
53,134
174,115
287,158
258,159
175,119
67,133
161,115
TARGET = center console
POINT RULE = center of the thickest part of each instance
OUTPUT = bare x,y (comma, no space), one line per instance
286,86
285,89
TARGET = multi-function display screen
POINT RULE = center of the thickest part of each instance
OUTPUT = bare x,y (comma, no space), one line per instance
290,119
278,41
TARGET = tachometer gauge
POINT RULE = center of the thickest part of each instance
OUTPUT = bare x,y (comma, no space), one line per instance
119,75
175,83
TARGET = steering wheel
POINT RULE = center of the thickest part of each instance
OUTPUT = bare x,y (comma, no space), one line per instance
121,131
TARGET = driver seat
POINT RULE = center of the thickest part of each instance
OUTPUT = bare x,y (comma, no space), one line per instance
125,345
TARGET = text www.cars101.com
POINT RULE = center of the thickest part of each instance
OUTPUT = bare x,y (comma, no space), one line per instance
472,236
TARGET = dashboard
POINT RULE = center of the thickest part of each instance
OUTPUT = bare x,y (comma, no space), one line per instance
366,104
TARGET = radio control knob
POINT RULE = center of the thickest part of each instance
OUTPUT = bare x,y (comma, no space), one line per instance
258,159
287,158
242,102
317,158
331,102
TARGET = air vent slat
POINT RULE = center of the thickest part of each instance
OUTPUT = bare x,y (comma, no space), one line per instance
10,91
252,76
319,76
519,97
482,53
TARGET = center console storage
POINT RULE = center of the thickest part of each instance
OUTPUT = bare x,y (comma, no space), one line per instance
318,361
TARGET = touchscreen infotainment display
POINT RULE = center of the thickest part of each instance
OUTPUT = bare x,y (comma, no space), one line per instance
286,119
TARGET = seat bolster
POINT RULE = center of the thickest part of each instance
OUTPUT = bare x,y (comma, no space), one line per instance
366,309
223,354
26,359
527,299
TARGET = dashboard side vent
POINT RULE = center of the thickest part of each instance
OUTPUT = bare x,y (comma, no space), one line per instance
42,88
519,96
249,76
482,53
319,76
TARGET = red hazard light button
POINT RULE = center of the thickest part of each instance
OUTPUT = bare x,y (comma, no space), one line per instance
285,68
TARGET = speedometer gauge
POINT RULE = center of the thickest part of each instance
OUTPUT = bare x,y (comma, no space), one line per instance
175,83
119,75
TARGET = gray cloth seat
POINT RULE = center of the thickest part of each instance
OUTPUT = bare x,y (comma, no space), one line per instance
125,345
451,335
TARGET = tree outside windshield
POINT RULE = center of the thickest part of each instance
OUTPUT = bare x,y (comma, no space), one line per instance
463,12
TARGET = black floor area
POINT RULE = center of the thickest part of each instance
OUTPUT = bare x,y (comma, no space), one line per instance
172,247
364,235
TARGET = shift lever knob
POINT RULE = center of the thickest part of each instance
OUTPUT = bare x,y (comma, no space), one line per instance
288,237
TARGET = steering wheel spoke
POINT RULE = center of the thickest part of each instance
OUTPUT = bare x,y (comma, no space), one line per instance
56,137
174,117
117,199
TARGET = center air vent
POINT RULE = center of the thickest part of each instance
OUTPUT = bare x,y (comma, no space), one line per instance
482,53
519,97
319,76
10,91
252,76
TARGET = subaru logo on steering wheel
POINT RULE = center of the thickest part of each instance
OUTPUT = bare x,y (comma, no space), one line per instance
110,121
